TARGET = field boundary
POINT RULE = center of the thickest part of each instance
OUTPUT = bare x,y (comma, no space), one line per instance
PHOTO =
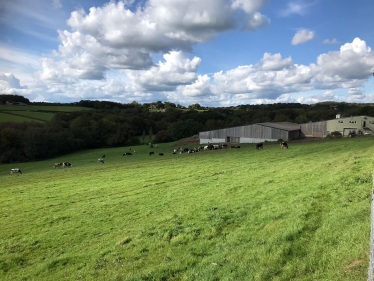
15,114
371,263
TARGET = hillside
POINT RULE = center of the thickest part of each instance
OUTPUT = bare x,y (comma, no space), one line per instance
35,113
234,214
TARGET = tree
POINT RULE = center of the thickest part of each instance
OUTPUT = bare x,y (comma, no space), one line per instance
150,135
143,136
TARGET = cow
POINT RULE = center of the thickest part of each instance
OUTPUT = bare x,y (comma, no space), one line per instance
152,152
57,165
100,160
15,171
191,151
156,145
134,151
216,146
175,150
66,164
127,153
283,144
161,154
103,156
259,145
185,150
151,145
235,146
223,145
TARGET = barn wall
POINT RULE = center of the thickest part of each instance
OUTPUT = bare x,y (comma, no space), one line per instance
247,134
314,130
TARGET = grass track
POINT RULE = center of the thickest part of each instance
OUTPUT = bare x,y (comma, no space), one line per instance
235,214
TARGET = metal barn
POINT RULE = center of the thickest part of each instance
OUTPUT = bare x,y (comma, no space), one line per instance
314,129
255,133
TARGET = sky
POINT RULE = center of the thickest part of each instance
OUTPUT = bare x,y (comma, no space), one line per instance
213,52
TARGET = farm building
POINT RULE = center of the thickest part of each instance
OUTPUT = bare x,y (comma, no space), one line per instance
364,124
255,133
261,132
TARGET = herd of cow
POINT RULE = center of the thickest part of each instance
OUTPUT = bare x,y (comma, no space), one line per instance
180,150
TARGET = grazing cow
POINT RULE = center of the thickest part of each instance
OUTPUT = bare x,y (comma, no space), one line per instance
152,152
181,152
223,145
15,171
284,145
175,150
259,145
216,146
191,151
57,165
100,160
66,164
161,154
151,145
185,150
103,156
127,153
238,146
156,145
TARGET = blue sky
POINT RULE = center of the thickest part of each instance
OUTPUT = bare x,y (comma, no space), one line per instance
213,52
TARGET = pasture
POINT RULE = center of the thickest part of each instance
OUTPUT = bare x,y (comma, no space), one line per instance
36,113
230,214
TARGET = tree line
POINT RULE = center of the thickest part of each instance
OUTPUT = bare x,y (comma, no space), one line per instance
112,125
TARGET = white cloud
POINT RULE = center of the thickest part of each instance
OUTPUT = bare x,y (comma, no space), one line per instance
116,37
177,70
297,7
356,94
333,41
275,62
8,81
257,21
302,36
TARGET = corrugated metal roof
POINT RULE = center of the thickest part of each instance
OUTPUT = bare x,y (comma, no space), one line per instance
287,126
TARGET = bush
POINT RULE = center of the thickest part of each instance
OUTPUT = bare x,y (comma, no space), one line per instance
336,134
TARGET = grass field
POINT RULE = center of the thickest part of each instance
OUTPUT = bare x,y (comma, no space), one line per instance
13,118
234,214
36,113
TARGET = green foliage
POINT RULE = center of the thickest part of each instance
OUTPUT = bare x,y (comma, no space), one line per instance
296,214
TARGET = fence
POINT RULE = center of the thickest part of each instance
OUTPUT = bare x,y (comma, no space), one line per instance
371,263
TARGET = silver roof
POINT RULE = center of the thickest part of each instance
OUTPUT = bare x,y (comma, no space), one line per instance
287,126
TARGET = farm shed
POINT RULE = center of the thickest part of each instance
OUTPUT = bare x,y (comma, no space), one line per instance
314,129
345,125
255,133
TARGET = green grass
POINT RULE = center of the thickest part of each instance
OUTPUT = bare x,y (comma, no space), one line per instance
42,108
36,113
235,214
13,118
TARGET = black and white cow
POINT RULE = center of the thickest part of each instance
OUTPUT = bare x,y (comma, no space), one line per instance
15,171
66,164
161,154
152,152
100,160
185,150
127,153
57,165
284,145
259,145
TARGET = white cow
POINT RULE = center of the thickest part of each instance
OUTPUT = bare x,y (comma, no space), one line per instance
15,171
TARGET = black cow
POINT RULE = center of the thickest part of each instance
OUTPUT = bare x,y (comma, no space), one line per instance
152,152
259,145
185,150
284,145
161,154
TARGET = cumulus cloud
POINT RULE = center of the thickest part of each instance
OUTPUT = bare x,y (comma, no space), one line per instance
355,94
257,21
8,81
302,36
177,70
333,41
116,37
273,77
275,62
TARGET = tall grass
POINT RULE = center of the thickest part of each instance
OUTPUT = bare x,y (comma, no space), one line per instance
235,214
